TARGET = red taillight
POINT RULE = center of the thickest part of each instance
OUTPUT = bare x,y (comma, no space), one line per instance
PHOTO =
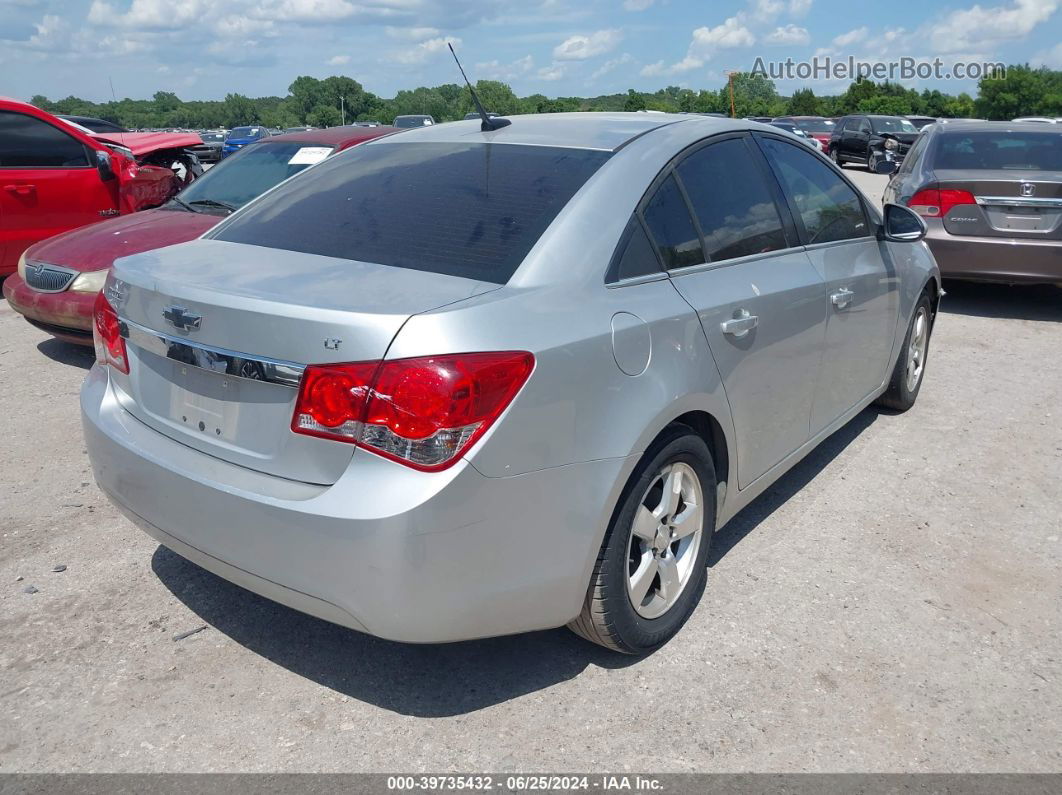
934,203
107,337
424,413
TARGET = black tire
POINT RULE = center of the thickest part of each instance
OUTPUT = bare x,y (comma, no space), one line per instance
835,155
872,162
609,617
899,395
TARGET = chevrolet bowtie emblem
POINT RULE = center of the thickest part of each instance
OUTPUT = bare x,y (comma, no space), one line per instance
181,319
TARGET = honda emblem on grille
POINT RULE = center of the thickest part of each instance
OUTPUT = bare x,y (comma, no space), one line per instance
1028,189
181,319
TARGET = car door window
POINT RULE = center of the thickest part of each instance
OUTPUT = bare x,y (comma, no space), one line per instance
864,127
912,156
635,256
668,219
731,201
828,207
28,142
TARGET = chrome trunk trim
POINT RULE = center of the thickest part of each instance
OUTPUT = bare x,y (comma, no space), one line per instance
217,360
1017,201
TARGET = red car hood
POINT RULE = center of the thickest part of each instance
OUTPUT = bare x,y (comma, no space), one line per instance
145,143
97,246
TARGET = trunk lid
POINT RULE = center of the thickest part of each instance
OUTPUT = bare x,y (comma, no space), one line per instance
1026,204
226,384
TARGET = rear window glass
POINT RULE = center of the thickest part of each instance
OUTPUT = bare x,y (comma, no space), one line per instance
471,210
252,171
1005,149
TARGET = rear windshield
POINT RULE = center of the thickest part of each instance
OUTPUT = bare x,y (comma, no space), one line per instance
469,209
252,171
892,125
1005,149
245,132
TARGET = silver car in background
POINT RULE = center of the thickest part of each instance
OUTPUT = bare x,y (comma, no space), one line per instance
459,383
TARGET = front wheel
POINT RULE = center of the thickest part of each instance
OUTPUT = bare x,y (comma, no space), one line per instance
906,380
835,155
651,570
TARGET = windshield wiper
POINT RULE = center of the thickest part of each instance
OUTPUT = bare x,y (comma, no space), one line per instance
184,205
214,203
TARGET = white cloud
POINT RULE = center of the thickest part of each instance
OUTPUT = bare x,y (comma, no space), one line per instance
150,14
637,5
851,37
412,34
423,51
580,47
338,60
238,26
798,8
788,35
1051,58
496,70
554,71
706,43
978,27
612,64
307,10
766,10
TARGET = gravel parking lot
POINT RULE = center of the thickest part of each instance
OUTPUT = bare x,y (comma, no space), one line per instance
893,603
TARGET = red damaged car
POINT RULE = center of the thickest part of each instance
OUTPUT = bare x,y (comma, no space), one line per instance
58,279
56,175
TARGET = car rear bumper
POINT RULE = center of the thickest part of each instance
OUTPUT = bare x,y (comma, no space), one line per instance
66,315
995,259
404,555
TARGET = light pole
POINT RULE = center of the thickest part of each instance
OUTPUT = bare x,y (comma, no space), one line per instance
342,110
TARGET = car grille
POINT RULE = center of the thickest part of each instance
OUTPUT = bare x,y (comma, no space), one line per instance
48,278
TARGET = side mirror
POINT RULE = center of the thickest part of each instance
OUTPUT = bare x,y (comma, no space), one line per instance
886,167
103,165
903,225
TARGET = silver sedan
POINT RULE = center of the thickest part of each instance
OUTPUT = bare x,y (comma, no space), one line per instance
461,382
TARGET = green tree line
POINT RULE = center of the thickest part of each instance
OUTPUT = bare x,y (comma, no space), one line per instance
1024,91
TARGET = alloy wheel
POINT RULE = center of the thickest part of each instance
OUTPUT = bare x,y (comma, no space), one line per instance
916,349
664,539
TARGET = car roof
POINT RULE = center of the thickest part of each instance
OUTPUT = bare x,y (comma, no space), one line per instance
335,136
604,131
994,126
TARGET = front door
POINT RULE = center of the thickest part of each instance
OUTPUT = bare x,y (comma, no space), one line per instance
861,285
759,299
47,184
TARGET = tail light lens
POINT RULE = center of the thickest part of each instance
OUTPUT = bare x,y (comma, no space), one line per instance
933,203
107,337
424,413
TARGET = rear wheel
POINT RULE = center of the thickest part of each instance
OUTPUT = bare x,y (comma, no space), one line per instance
835,155
651,570
906,380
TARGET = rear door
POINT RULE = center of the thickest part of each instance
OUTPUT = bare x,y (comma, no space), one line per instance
861,285
48,184
761,303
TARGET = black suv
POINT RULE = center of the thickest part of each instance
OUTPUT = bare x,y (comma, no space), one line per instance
867,139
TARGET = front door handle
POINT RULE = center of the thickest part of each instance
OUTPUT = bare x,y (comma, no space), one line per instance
841,298
739,325
21,190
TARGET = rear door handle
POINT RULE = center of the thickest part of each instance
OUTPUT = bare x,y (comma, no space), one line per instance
21,190
842,297
739,325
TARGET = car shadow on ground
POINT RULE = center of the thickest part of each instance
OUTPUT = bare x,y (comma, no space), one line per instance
438,680
67,353
778,493
1020,302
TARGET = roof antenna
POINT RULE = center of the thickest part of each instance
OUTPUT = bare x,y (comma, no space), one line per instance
488,123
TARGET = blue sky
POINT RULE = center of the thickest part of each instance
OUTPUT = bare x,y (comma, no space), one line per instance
203,49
